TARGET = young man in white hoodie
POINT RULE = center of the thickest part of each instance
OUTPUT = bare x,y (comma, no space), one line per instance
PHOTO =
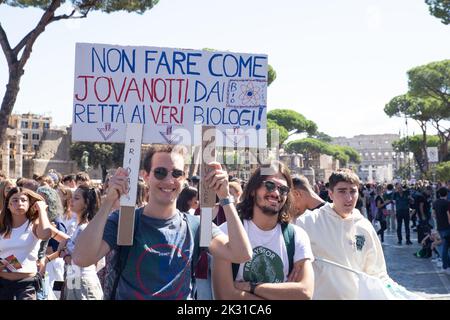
340,234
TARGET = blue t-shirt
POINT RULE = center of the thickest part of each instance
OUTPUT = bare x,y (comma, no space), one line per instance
160,260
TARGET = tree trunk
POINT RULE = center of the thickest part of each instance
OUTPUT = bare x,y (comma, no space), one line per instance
9,99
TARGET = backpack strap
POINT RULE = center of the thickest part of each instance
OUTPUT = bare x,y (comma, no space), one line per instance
289,239
194,227
193,223
122,252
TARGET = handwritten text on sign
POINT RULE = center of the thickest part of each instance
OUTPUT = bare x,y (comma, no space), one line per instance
166,90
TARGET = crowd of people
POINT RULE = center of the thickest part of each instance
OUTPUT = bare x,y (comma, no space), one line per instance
275,236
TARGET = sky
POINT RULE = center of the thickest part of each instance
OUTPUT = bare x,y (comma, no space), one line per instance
338,62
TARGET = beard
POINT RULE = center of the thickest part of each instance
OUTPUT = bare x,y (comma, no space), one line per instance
267,210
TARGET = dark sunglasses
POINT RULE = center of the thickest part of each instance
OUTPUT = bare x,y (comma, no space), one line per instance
271,186
161,172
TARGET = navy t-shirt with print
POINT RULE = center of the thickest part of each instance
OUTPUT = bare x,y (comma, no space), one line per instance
159,262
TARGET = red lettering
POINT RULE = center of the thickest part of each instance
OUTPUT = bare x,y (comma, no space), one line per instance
153,114
109,89
85,88
155,91
164,113
121,89
135,88
145,88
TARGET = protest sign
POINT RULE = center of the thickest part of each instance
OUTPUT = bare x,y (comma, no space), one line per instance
169,91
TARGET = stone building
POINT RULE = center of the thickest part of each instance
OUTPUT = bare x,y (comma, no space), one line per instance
379,159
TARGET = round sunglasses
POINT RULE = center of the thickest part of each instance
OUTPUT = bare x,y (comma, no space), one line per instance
160,173
271,186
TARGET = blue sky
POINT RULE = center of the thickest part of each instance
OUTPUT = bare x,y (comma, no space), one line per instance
338,62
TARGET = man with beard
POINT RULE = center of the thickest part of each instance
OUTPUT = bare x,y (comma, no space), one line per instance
340,234
277,245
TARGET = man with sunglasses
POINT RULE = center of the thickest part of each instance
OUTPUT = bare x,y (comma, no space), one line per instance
277,245
160,261
340,234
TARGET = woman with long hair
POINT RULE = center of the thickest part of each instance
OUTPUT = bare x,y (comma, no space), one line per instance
23,224
82,283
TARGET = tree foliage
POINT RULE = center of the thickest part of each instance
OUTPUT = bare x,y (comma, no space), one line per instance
427,102
271,76
440,9
310,147
443,171
103,155
282,133
292,120
414,144
18,55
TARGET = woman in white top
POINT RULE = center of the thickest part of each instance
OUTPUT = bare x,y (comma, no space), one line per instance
23,224
82,283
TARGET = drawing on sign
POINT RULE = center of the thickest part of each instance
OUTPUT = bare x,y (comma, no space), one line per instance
107,132
169,137
246,93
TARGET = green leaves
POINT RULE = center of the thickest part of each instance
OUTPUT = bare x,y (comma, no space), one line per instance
292,120
440,9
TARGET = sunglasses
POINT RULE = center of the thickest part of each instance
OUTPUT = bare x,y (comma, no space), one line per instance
160,173
271,186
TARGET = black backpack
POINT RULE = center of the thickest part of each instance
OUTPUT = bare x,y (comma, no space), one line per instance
289,239
118,257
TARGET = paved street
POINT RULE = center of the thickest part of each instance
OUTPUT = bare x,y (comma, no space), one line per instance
418,275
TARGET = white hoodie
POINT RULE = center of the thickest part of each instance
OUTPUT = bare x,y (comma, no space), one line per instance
351,242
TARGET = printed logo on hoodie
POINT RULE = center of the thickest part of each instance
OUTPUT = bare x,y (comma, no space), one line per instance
360,240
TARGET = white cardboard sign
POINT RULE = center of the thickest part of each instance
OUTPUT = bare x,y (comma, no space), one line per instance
169,91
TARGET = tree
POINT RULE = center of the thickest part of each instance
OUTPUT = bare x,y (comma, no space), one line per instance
322,136
292,120
271,76
443,171
415,108
282,133
414,144
105,155
440,9
352,154
432,82
18,56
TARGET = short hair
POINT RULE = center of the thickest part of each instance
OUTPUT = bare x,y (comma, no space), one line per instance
343,175
245,207
302,183
69,177
166,148
390,186
442,192
82,176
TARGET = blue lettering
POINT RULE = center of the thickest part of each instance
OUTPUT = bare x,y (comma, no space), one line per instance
243,64
163,62
101,105
198,115
102,65
78,113
256,65
147,58
192,63
131,66
90,113
120,113
197,84
137,113
177,61
226,65
210,65
109,59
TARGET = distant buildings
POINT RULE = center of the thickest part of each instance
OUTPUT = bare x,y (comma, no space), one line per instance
379,159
